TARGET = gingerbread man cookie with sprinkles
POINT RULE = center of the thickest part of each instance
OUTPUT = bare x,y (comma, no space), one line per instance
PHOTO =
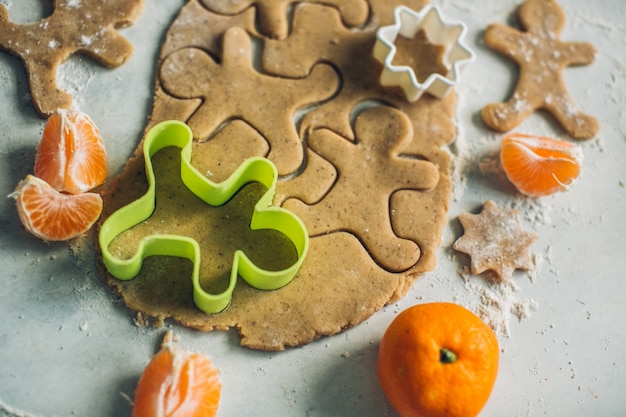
541,58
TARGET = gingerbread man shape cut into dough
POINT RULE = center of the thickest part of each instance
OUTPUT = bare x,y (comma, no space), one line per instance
44,45
370,170
244,93
272,14
541,58
318,35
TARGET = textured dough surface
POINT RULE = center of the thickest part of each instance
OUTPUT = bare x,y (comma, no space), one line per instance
365,170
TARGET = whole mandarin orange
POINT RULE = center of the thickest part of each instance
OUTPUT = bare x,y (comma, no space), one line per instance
438,359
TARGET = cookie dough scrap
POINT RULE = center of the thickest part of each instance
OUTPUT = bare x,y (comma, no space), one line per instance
541,58
349,273
495,241
44,45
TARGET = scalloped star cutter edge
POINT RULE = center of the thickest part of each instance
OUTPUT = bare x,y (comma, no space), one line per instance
407,23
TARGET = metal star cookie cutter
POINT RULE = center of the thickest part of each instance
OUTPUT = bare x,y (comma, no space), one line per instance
407,23
256,169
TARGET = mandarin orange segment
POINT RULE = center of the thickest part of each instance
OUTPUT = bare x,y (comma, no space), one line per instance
437,359
177,383
52,215
71,156
539,166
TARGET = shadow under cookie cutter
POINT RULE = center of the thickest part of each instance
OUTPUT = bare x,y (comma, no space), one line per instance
255,169
407,23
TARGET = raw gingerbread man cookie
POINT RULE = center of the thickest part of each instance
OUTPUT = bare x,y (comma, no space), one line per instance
541,58
44,45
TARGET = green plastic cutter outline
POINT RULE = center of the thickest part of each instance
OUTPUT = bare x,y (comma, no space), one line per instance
255,169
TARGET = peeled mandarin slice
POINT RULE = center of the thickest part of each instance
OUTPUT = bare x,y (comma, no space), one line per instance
52,215
71,156
177,383
540,166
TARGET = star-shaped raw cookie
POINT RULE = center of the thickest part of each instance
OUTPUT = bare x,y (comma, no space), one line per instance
495,241
541,58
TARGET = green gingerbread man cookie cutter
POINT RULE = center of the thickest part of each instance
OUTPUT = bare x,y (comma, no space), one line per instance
255,169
